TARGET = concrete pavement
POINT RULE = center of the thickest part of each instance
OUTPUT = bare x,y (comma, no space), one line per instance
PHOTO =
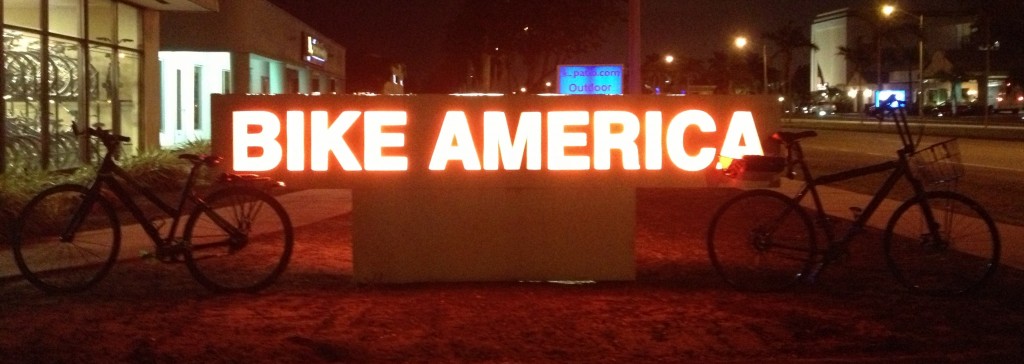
837,202
307,207
304,207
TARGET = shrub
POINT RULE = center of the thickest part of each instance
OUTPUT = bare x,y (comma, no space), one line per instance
158,170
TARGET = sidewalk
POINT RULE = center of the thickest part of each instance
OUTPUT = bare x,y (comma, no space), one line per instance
304,207
838,202
307,207
310,206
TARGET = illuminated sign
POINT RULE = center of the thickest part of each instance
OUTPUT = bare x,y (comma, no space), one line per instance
590,79
527,139
884,94
313,51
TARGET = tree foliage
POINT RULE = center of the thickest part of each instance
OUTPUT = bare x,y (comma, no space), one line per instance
999,26
526,39
786,40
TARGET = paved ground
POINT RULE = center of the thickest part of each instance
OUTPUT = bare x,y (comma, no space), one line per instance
678,310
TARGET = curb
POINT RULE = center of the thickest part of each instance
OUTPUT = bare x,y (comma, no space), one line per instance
927,127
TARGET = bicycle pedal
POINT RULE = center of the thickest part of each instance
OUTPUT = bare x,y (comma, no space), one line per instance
839,256
147,256
172,259
172,252
812,276
856,211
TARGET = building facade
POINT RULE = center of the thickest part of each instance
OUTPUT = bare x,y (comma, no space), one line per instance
81,61
99,63
940,70
248,46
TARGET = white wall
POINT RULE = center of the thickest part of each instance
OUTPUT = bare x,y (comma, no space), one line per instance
211,81
829,34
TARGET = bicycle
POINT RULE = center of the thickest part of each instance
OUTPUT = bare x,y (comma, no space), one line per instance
237,238
937,242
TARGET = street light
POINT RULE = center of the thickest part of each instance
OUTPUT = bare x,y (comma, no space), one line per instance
668,73
741,42
887,11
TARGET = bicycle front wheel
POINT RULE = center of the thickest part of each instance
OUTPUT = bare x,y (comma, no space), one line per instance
239,240
959,257
761,240
63,242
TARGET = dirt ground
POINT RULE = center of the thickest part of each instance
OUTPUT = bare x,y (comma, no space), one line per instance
677,311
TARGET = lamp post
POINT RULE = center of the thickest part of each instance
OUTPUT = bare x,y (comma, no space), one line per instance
669,59
741,43
887,11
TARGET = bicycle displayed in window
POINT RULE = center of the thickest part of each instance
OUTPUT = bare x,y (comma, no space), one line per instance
27,133
937,242
237,238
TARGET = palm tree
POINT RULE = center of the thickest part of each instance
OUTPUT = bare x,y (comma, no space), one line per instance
859,54
692,71
786,40
887,33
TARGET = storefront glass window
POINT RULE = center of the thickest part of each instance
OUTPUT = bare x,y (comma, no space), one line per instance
91,81
129,33
66,86
102,21
23,13
66,17
22,95
128,94
101,106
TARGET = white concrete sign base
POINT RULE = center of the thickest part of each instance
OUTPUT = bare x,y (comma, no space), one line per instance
406,234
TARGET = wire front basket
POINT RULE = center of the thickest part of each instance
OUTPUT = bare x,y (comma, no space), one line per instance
938,164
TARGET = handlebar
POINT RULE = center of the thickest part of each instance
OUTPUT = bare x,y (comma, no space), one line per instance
106,136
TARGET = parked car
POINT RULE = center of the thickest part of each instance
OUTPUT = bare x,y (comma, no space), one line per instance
818,108
946,109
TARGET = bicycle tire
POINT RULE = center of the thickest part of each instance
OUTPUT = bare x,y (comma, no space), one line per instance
55,266
961,260
761,241
244,263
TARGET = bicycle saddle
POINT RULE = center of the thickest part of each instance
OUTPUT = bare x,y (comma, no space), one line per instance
209,160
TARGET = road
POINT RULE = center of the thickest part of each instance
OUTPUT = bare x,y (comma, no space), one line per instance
982,153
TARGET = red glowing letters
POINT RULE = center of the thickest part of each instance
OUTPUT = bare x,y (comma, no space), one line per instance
533,145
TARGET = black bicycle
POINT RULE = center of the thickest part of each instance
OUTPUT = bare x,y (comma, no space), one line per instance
237,238
937,242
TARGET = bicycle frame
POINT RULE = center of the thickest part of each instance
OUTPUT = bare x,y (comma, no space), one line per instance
810,188
765,239
106,177
899,170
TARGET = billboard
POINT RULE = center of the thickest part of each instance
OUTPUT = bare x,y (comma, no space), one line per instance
510,141
880,95
590,79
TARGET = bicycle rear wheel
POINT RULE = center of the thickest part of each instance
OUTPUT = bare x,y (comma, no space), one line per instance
761,240
958,258
63,244
240,240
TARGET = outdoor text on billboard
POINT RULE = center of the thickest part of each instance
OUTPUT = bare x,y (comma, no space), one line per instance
590,79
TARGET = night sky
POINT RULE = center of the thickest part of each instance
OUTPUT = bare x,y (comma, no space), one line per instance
413,31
